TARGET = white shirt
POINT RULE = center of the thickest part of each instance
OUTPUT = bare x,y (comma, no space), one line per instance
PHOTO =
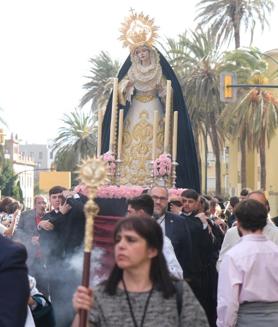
161,222
29,319
232,238
248,273
172,262
2,229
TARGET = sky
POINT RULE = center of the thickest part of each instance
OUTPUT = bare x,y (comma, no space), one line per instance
46,46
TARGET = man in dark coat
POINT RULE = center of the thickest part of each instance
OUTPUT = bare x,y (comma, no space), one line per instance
174,227
14,285
62,235
202,248
27,233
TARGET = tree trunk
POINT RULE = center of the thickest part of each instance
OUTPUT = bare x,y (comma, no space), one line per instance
236,25
206,159
237,37
197,145
243,163
262,162
216,150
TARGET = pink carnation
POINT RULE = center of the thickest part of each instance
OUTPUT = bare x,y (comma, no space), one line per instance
110,159
118,192
163,165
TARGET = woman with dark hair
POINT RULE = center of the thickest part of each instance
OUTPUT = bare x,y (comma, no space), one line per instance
139,290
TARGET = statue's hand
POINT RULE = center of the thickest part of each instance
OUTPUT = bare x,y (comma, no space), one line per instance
129,84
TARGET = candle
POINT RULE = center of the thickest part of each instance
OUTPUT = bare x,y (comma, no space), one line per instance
113,115
120,135
175,136
155,127
99,133
167,116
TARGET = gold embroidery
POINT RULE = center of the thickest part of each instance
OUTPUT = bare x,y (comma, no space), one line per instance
144,98
137,151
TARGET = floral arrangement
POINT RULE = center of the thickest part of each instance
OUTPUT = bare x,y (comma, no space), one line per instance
175,192
109,157
118,192
162,166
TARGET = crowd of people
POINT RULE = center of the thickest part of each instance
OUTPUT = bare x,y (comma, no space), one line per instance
187,260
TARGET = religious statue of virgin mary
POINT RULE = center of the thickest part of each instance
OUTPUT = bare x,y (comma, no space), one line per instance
141,92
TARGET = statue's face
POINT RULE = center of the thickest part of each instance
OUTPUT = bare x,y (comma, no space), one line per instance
143,54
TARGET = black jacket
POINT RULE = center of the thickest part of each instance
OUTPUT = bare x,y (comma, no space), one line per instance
176,229
14,285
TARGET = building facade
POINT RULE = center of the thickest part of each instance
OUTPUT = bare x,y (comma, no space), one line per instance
23,167
39,153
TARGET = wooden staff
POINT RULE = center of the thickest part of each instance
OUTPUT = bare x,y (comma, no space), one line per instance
93,174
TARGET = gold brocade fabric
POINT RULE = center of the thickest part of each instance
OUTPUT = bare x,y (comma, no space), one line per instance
144,98
138,141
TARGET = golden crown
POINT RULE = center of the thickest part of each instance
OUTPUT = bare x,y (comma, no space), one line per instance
137,30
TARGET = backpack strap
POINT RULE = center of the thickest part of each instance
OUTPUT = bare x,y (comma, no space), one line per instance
179,292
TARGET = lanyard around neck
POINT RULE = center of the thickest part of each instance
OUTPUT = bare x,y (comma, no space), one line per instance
131,309
161,221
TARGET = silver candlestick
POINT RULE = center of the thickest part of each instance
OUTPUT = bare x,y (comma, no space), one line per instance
174,175
118,172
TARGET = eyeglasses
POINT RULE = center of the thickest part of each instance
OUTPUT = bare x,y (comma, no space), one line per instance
160,198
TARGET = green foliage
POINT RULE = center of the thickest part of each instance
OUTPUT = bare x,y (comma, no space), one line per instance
103,70
9,183
76,140
66,161
197,60
228,18
252,114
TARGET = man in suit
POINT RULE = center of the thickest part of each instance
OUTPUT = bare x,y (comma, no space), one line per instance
202,247
142,206
234,200
62,233
28,234
27,225
14,284
50,227
174,227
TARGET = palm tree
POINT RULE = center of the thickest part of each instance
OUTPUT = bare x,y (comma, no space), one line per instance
77,138
196,59
225,18
101,81
256,114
